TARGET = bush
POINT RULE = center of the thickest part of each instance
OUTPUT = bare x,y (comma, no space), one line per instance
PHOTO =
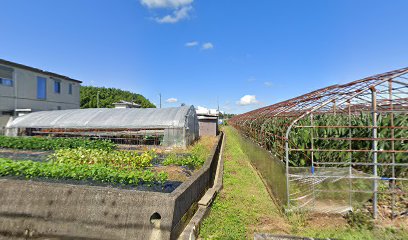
40,143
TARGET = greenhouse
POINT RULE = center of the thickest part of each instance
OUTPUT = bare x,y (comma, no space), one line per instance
167,127
344,147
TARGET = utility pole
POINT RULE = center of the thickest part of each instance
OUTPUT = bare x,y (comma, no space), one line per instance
218,104
97,99
160,99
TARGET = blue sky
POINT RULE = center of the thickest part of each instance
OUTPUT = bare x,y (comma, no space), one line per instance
196,51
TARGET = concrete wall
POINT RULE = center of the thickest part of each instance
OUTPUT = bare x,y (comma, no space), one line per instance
24,89
31,209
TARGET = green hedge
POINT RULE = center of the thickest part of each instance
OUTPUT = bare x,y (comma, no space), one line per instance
41,143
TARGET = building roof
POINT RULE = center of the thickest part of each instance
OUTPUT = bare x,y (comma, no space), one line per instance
17,65
123,102
103,118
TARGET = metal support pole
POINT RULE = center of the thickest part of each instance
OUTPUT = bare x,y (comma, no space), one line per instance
374,148
392,148
350,156
312,157
287,171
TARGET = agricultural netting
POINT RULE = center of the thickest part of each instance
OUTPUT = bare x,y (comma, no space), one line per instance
331,134
268,166
343,146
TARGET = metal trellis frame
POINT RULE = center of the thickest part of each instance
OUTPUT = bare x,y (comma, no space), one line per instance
358,129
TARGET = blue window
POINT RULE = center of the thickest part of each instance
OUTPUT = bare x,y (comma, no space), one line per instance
41,88
6,82
70,89
57,86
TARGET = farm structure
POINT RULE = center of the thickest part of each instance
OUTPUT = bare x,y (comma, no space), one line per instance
167,127
344,147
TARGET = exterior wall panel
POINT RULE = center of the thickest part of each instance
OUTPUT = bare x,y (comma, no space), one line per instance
208,127
25,84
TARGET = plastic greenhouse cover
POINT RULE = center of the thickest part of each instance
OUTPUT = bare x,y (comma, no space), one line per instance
102,118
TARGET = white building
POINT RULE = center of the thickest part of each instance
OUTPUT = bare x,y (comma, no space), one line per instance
25,89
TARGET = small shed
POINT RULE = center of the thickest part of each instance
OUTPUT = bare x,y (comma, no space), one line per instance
207,121
208,125
168,127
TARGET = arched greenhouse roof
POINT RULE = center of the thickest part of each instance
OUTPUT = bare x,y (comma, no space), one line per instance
107,118
390,87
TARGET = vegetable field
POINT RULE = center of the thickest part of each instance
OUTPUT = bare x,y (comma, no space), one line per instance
97,161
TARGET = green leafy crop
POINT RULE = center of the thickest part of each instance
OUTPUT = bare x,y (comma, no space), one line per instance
40,143
97,172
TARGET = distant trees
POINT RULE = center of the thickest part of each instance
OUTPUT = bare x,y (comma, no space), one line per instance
108,96
226,115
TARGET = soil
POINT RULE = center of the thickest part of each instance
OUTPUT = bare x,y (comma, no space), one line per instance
271,224
175,173
322,221
16,154
167,187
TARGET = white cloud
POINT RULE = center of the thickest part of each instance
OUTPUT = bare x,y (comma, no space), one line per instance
166,3
207,46
172,100
268,84
191,44
181,9
248,100
177,15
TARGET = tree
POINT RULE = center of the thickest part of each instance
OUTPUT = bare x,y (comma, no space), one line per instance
108,96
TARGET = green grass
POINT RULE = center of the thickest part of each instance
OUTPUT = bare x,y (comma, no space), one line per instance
243,204
244,207
196,156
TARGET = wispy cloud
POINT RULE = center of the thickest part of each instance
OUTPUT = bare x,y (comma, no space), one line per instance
268,84
191,44
251,79
248,100
207,46
165,3
180,9
176,16
172,100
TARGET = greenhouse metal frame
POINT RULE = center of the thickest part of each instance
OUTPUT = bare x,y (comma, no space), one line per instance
338,140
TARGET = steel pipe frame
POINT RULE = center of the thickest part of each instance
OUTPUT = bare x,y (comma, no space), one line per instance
341,93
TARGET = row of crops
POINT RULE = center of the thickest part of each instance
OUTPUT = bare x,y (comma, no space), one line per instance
94,160
337,135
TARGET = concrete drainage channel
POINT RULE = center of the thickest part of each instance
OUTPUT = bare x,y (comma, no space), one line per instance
191,231
44,210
